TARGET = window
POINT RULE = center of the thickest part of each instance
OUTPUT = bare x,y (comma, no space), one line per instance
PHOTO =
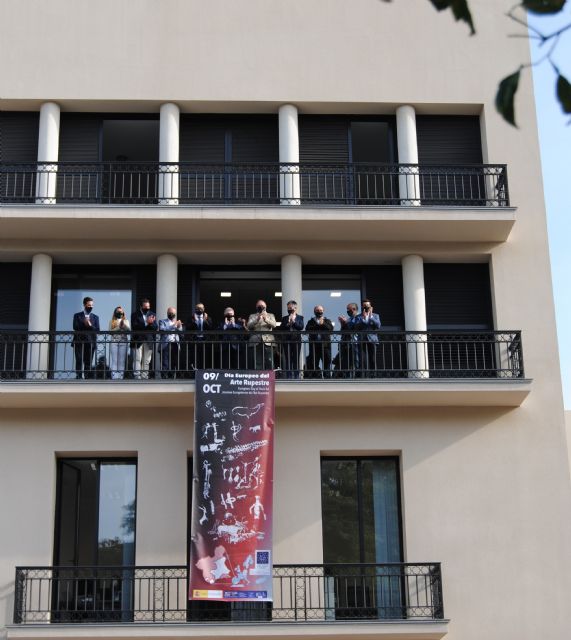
362,524
95,531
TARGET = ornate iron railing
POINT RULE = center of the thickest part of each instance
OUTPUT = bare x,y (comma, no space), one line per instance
343,355
151,183
301,593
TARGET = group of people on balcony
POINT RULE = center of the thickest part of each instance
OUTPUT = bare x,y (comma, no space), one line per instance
171,348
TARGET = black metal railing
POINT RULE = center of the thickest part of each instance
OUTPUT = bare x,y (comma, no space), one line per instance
151,183
343,355
302,593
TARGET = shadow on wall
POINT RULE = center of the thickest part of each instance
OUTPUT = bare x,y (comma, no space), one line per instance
7,606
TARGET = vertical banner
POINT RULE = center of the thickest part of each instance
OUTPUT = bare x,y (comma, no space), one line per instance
231,531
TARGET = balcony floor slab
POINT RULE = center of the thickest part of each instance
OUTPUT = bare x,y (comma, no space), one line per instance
386,393
241,224
399,630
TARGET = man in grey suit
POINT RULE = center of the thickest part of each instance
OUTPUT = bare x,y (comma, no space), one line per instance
169,346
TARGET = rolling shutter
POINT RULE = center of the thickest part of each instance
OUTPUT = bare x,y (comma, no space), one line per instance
450,140
80,176
458,296
18,145
19,136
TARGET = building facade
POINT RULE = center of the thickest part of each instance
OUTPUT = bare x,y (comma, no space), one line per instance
327,152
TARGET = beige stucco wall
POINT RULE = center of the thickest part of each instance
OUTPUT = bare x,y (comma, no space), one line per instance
485,491
252,51
480,495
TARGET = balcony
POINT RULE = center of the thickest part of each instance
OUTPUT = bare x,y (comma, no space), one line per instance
403,596
381,368
147,183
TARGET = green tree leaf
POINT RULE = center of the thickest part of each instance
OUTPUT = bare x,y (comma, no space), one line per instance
543,6
505,97
459,9
564,93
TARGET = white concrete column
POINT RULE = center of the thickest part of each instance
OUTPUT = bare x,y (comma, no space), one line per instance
167,284
290,192
48,152
292,282
409,182
415,315
169,143
39,316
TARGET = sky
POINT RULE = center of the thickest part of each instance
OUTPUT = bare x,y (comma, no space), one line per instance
555,141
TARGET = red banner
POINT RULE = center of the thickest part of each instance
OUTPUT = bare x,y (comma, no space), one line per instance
231,537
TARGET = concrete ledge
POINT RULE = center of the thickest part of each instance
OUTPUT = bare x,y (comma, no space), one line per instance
400,630
242,223
381,393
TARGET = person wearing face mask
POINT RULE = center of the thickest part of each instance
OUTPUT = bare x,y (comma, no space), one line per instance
169,348
369,323
144,326
319,328
85,328
290,339
232,348
348,356
262,344
200,349
118,327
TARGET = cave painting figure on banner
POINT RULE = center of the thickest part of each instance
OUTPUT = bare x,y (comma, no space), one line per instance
231,538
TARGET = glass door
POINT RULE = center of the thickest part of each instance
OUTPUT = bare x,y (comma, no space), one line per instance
94,540
69,302
361,530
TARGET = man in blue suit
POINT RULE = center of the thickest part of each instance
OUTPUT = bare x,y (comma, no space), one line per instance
369,323
85,328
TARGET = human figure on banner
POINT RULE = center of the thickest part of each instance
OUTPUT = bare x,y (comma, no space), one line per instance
290,341
319,329
261,343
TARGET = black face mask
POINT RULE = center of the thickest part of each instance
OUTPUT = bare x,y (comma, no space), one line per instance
350,312
259,308
145,311
318,314
118,315
229,317
290,311
88,310
198,312
171,316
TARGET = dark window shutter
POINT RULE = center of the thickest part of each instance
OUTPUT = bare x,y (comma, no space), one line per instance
449,140
383,287
79,137
19,136
185,293
15,293
458,296
255,139
202,139
146,283
323,139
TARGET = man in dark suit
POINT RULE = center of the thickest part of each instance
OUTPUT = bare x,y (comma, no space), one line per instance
143,338
319,329
290,339
199,349
369,323
232,346
85,328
